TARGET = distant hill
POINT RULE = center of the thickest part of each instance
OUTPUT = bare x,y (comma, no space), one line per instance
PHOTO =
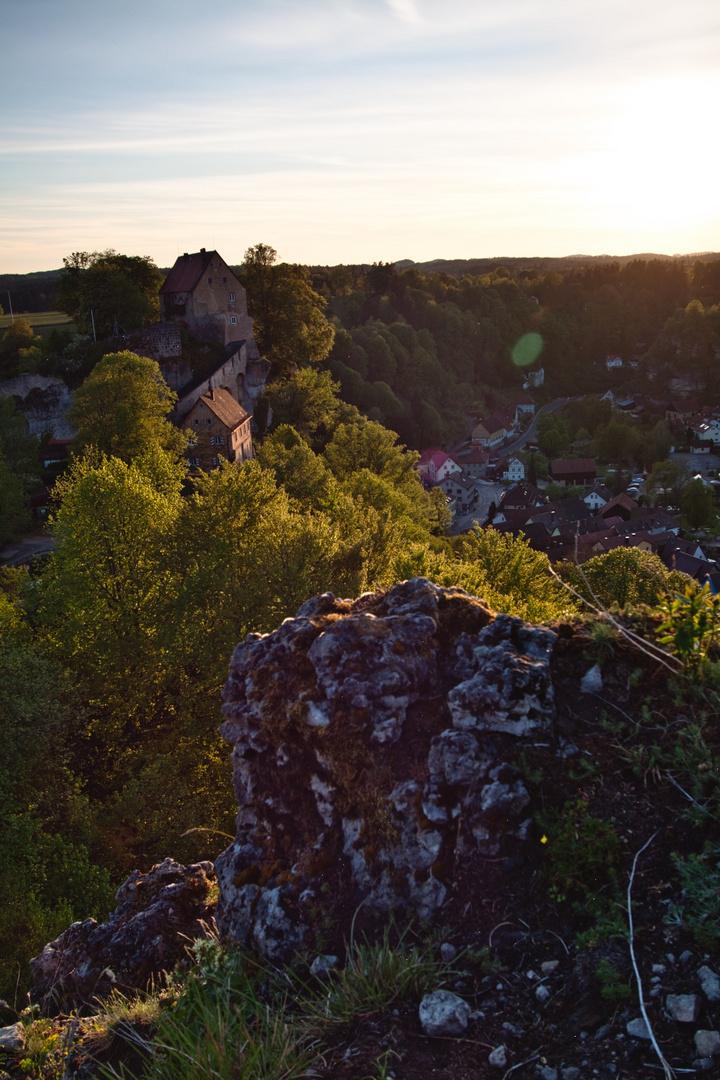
543,264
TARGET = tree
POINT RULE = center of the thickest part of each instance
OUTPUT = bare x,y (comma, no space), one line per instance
288,321
552,435
667,481
302,473
698,505
308,401
110,588
110,286
17,337
19,471
121,409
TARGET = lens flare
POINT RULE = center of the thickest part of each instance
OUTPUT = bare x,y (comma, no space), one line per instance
527,350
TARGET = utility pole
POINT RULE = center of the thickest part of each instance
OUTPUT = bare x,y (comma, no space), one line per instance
12,317
92,316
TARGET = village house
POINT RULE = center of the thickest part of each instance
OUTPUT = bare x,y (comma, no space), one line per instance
460,487
598,496
573,472
495,428
221,428
434,465
512,469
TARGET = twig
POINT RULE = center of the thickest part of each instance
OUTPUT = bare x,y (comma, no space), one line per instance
688,796
528,1061
646,647
669,1073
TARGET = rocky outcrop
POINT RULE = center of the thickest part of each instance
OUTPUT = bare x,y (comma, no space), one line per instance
373,749
158,914
44,401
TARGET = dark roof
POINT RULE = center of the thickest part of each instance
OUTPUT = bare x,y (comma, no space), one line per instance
187,271
225,407
572,466
521,495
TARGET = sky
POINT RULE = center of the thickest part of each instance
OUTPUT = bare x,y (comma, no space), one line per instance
349,131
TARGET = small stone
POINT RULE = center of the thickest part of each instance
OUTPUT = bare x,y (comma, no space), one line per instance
638,1029
549,966
443,1013
448,952
512,1028
658,969
709,982
532,975
686,957
684,1008
570,1073
592,681
707,1043
12,1039
547,1072
542,994
498,1057
703,1064
670,957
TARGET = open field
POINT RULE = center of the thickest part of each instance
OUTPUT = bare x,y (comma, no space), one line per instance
42,322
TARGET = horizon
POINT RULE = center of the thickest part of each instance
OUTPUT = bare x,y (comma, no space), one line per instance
356,131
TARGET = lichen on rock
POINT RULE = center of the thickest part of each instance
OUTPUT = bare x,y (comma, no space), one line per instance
371,741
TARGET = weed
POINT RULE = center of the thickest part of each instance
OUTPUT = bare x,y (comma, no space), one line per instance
613,986
374,977
582,853
691,624
699,907
603,640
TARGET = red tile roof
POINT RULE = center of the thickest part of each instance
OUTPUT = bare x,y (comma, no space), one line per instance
187,271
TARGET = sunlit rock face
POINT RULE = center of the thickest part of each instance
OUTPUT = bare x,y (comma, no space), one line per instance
373,743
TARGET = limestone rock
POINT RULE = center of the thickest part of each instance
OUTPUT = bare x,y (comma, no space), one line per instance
638,1029
707,1043
12,1039
709,982
684,1008
498,1057
371,741
443,1013
145,936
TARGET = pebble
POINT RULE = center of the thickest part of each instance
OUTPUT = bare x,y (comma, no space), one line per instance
709,982
549,966
684,1008
638,1029
443,1013
542,994
498,1057
448,952
707,1043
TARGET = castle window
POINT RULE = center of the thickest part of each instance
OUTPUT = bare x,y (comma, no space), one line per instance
216,461
195,461
224,281
209,281
216,440
233,320
231,297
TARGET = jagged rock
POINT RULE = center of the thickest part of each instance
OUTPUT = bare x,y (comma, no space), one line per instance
443,1013
12,1039
592,680
370,749
709,982
145,936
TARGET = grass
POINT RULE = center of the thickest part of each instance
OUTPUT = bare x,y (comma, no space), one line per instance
42,322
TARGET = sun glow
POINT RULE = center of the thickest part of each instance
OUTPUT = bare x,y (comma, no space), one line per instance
663,159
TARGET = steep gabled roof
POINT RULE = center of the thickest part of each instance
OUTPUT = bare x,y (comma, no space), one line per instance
225,407
187,271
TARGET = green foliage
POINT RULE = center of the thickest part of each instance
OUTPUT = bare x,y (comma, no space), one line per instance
307,400
581,853
613,986
288,321
96,288
698,506
691,623
18,337
699,906
121,409
625,577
